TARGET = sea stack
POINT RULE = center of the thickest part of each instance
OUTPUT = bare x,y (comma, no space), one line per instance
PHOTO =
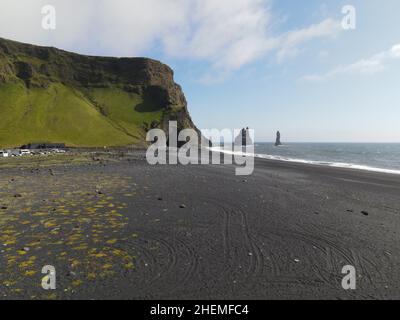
278,139
243,139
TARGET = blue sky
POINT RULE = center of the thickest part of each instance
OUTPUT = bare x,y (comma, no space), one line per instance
266,64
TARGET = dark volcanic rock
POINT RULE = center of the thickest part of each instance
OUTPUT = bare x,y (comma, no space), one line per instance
278,139
243,139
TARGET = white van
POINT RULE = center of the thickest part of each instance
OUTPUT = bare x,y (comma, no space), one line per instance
4,154
24,152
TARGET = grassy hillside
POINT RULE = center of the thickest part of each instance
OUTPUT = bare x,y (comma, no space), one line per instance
131,112
63,114
49,95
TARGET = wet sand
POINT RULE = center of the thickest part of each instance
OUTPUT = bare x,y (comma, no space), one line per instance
117,228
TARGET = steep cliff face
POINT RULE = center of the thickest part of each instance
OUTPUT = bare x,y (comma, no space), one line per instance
51,95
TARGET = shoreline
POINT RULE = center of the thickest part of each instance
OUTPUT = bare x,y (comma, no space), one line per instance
351,166
132,150
301,166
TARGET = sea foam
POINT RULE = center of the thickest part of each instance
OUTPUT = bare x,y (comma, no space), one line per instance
311,162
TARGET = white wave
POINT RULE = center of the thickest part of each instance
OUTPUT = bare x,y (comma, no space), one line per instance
312,162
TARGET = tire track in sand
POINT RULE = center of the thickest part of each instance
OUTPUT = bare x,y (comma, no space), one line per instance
256,256
235,225
179,267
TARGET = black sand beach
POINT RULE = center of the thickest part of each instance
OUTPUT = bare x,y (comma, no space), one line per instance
117,228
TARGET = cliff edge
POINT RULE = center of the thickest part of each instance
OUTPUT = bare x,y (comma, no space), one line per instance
50,95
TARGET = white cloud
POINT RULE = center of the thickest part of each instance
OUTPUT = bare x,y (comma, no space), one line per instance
227,34
230,33
131,27
369,66
21,20
290,42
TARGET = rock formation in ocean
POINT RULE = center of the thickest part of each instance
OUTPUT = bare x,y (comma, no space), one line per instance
244,139
278,139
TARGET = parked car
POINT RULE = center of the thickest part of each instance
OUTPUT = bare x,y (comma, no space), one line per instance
4,154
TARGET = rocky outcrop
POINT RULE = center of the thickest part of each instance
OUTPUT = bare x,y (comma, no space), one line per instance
39,67
243,139
278,139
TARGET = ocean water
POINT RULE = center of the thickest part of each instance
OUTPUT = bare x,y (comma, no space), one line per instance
378,157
